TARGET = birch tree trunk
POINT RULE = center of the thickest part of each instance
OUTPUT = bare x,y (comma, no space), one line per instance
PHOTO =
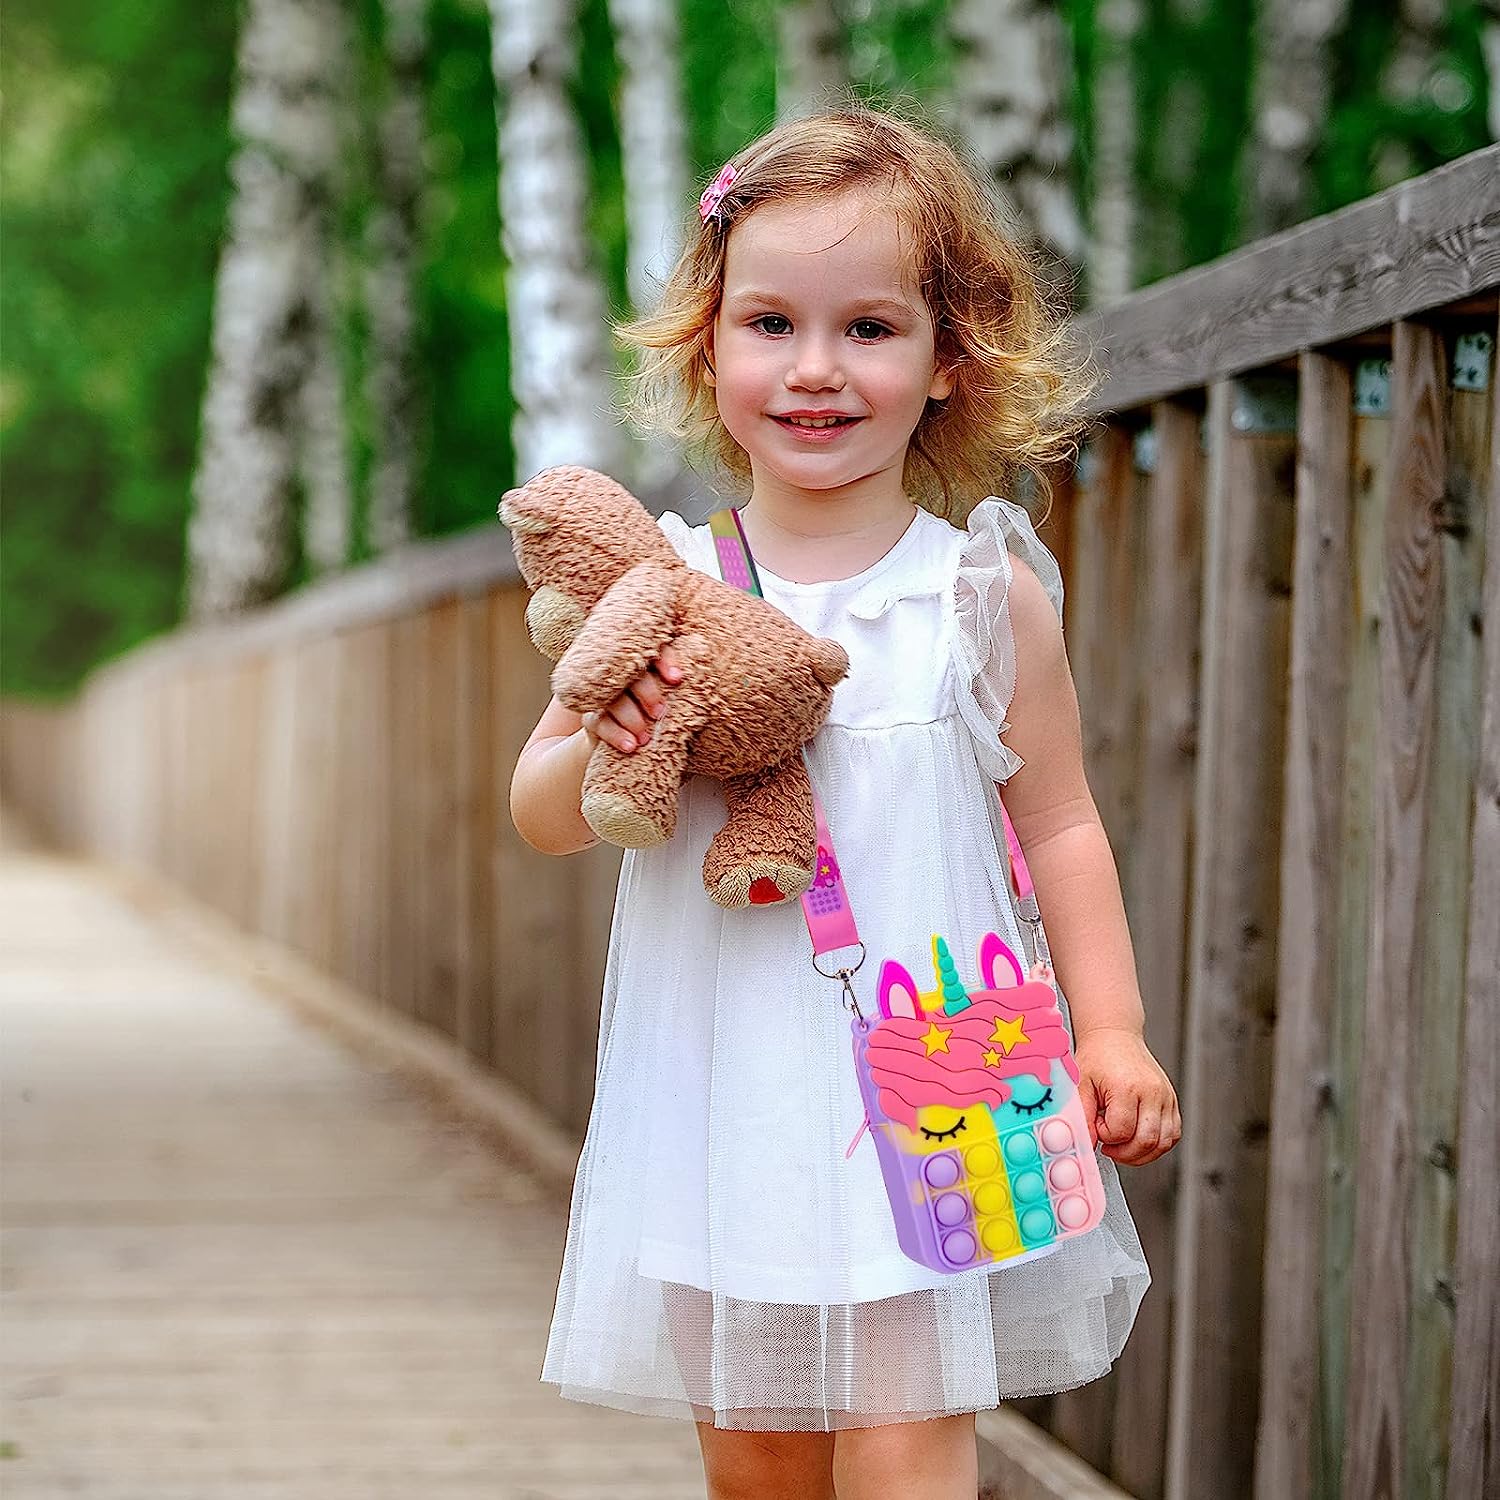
555,300
1010,81
391,381
1112,254
1292,86
653,161
811,66
1408,75
653,158
283,163
323,428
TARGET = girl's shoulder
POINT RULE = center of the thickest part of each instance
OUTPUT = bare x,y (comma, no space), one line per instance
1001,551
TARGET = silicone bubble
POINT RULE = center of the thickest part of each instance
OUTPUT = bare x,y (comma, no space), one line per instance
999,1236
1030,1187
1064,1174
1056,1136
1073,1212
1036,1224
1020,1148
981,1161
960,1247
950,1209
941,1171
991,1198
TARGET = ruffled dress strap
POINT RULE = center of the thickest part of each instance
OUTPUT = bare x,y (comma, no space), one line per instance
984,645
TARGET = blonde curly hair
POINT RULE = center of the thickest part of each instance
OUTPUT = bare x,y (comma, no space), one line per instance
1019,385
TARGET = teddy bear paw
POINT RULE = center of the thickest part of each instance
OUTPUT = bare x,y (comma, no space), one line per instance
618,821
761,882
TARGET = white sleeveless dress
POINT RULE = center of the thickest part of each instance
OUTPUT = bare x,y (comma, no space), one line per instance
724,1260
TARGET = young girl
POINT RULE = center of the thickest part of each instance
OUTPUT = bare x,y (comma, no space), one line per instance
864,351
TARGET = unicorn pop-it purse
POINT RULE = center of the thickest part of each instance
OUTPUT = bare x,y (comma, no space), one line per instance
971,1095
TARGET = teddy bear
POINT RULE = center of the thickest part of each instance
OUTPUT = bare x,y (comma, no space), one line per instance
608,593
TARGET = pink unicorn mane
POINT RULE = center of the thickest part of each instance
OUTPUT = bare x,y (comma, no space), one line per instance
907,1077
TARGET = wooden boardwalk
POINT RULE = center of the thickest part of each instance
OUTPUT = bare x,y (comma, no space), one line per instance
238,1261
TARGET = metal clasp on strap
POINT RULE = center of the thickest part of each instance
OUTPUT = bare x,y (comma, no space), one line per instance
845,976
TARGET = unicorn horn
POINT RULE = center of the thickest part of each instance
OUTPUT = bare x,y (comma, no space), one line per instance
955,996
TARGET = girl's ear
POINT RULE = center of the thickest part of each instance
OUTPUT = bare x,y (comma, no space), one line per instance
942,385
708,357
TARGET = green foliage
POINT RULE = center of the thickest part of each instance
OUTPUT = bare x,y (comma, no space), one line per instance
116,146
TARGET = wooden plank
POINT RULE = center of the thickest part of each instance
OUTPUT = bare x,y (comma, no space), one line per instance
1441,937
254,1264
481,799
1474,1429
365,797
1159,901
1371,484
1374,1434
406,793
1018,1461
1289,1442
278,773
442,850
1420,245
1231,993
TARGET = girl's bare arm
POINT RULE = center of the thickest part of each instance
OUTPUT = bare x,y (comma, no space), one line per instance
1058,825
547,785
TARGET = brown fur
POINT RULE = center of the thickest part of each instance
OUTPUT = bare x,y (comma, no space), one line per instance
609,593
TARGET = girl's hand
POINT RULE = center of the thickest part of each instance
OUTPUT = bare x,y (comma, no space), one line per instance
626,723
1128,1100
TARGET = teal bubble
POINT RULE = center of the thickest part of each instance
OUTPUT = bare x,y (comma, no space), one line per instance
1036,1224
1020,1148
1029,1187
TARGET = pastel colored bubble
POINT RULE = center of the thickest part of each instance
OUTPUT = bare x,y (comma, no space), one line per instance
1073,1212
1036,1223
1020,1148
1030,1187
999,1235
991,1198
1056,1136
1065,1173
959,1247
950,1209
981,1160
941,1171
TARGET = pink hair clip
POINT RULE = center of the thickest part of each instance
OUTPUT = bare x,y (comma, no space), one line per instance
713,194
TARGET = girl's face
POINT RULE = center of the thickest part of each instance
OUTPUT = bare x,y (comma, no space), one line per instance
823,348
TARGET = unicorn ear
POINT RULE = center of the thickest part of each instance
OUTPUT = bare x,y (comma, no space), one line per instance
898,992
992,948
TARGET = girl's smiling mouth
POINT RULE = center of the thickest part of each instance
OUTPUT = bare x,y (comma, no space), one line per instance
814,426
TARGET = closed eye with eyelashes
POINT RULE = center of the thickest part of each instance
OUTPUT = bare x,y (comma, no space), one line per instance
943,1135
1034,1108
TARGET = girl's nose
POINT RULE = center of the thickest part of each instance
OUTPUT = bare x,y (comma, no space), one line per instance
814,369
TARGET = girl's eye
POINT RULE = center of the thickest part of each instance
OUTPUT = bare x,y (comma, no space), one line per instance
766,318
869,329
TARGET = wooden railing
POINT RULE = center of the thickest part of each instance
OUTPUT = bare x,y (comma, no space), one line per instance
1286,638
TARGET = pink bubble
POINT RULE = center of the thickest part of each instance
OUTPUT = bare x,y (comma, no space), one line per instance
1065,1174
1073,1212
1056,1136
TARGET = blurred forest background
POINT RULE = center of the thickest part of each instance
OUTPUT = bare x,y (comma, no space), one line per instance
289,282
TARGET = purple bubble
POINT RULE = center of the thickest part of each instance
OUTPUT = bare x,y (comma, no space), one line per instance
941,1171
950,1209
959,1247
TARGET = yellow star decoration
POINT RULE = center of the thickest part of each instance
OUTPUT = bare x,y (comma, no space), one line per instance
1009,1033
936,1039
992,1059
